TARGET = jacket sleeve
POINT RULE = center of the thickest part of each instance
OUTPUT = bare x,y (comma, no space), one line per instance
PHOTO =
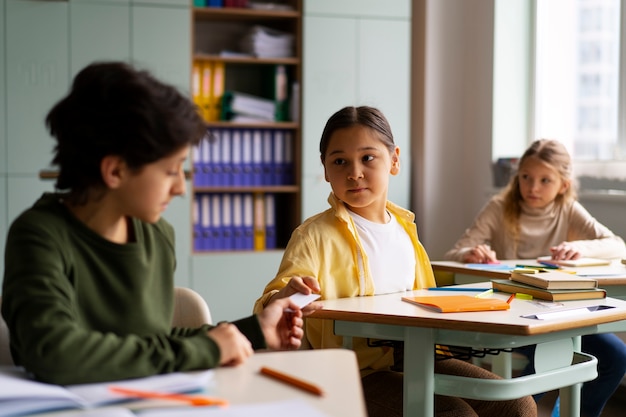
299,259
592,238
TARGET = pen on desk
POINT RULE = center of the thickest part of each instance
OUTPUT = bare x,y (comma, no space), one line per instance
459,289
511,297
550,265
293,381
484,294
196,400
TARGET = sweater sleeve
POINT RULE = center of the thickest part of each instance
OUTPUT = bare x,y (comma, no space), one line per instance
592,238
480,232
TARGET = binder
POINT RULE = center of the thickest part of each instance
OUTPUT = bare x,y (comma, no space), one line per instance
248,221
216,159
206,177
196,86
205,221
206,92
196,156
270,221
197,226
267,165
246,158
259,221
281,96
227,164
216,222
218,90
238,229
279,157
288,170
227,222
214,3
236,151
257,157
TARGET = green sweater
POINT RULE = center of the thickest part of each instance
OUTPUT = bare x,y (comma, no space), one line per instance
83,309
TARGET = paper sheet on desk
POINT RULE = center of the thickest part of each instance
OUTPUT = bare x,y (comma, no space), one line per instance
572,312
295,407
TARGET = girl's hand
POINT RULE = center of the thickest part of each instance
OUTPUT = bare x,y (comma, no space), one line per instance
565,251
234,347
281,322
480,254
304,285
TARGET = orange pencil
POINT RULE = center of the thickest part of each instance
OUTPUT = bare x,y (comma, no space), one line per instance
195,400
298,383
510,299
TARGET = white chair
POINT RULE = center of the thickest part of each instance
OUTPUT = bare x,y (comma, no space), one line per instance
5,351
190,309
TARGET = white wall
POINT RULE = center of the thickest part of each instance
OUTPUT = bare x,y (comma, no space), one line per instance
452,86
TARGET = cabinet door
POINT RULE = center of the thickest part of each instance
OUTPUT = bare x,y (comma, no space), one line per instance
37,76
3,138
161,43
383,69
99,31
330,83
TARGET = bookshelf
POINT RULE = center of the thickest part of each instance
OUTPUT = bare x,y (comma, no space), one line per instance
246,173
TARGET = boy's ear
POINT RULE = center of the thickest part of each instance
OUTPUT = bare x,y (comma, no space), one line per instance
112,169
395,161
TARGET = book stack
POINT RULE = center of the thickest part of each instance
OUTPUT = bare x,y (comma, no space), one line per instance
550,284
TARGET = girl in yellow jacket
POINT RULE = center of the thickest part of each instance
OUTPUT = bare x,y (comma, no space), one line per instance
365,245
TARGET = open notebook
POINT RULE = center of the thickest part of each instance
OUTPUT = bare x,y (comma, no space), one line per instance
458,303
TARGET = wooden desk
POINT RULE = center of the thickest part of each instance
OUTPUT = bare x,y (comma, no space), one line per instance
611,278
387,317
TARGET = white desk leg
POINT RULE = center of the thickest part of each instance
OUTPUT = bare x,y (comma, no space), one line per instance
570,396
502,365
419,368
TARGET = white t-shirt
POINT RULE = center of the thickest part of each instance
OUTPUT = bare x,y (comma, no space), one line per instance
390,253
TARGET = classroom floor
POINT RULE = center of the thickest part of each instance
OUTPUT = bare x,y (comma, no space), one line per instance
616,407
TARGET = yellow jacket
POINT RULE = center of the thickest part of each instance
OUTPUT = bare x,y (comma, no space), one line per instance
327,247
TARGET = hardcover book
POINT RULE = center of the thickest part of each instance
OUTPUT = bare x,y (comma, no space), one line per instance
514,287
554,280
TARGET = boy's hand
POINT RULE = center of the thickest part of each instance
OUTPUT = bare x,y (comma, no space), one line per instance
303,285
234,347
281,322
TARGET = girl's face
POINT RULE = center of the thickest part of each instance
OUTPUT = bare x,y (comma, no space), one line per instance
357,165
539,183
146,194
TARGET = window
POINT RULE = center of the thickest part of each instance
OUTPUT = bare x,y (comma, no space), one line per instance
576,77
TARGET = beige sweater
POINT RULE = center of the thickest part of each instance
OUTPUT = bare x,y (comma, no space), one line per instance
540,230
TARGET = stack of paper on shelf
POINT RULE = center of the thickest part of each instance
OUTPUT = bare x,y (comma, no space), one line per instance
237,105
551,285
265,42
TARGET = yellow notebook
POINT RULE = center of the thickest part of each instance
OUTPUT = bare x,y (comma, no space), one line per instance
458,303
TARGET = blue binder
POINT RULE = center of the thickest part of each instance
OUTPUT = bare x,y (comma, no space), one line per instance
267,166
227,222
246,159
238,229
257,157
237,155
216,222
248,221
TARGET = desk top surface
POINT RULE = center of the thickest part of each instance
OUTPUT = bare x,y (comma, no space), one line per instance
391,310
608,275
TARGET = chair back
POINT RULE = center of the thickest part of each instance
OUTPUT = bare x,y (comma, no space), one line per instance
5,351
190,309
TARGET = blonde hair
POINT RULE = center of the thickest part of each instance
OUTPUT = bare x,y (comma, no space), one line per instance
552,153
